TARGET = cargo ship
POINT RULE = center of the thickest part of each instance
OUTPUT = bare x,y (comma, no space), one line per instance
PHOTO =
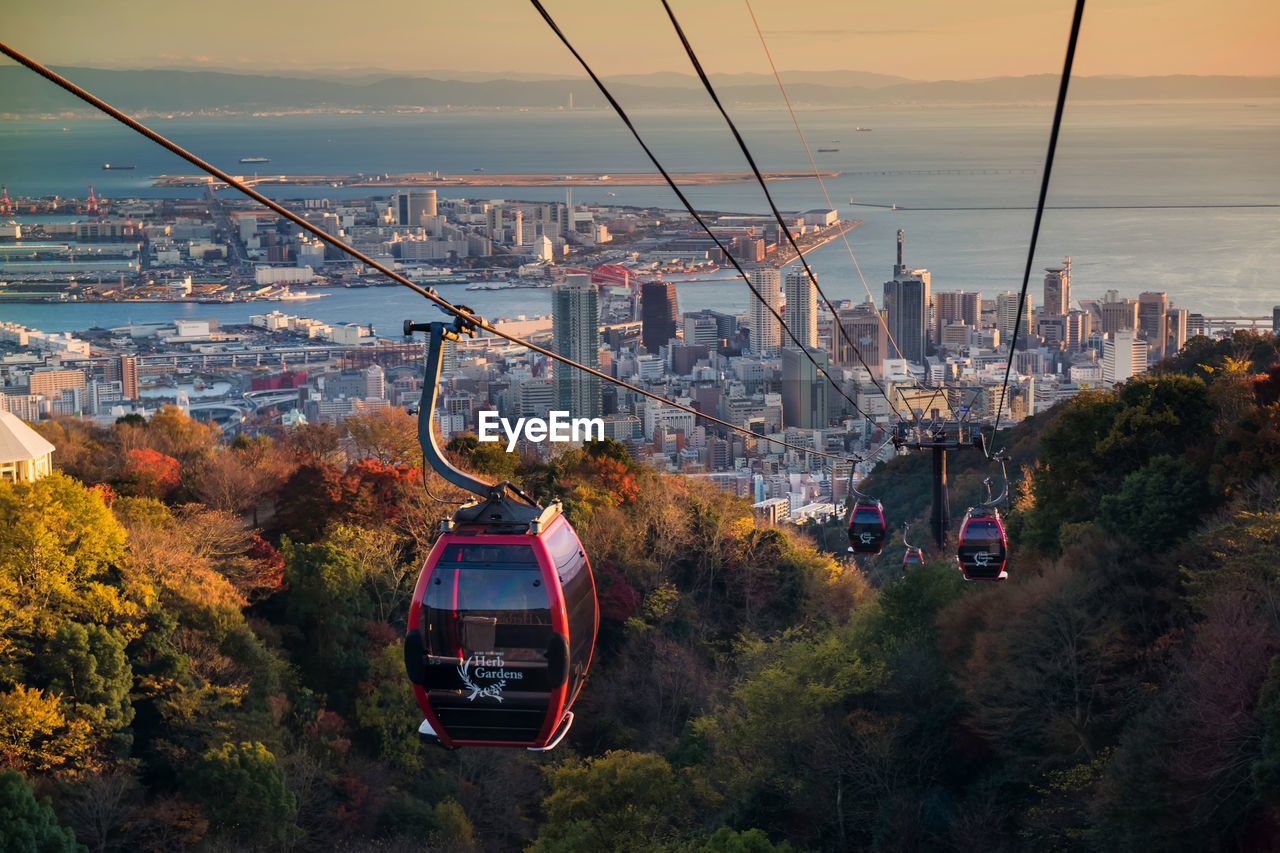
112,167
828,150
255,159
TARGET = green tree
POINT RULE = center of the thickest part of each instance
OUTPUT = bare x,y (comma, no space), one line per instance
620,801
243,792
28,825
87,664
726,840
328,607
1159,505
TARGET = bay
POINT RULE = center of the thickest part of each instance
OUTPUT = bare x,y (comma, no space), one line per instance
1168,196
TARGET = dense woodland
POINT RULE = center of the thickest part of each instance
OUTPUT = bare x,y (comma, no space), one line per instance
200,646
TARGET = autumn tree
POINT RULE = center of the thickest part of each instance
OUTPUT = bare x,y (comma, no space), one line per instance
389,435
149,473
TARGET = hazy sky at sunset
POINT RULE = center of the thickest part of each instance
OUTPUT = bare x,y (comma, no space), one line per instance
923,39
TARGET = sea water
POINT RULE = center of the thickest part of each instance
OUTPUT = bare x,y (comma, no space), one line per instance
1174,197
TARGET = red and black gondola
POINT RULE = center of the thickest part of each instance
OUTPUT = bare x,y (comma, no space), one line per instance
866,527
504,615
983,550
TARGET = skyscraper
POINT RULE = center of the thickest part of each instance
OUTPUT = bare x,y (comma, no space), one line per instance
657,314
1123,355
1151,319
576,327
1057,288
409,206
766,332
1175,330
801,312
804,390
955,307
906,298
1118,315
1007,316
866,330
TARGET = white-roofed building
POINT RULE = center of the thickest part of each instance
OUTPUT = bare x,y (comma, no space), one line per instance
25,456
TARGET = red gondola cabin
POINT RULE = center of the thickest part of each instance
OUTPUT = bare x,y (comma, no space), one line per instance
982,551
501,630
866,527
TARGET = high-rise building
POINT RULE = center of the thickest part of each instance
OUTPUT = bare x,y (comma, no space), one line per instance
955,307
1175,330
1057,288
658,314
409,206
906,299
1118,315
1124,355
804,389
1275,320
1151,320
576,327
1007,316
801,311
765,331
124,370
866,329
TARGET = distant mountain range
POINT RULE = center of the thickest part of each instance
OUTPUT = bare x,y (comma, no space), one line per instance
23,94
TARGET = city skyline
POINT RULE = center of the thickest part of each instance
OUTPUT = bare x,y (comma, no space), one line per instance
944,41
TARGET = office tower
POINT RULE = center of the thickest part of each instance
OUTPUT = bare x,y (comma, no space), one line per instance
658,314
1057,288
1175,330
1118,315
125,371
1124,355
701,331
866,330
906,299
955,307
1151,320
1079,325
409,206
576,326
517,238
1275,320
766,332
1007,316
804,390
801,312
698,327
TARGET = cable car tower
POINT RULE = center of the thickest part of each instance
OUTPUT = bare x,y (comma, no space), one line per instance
942,439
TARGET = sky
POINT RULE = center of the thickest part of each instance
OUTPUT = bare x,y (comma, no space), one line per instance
919,39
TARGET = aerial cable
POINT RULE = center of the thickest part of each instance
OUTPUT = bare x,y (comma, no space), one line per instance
817,174
1044,192
622,114
465,315
782,226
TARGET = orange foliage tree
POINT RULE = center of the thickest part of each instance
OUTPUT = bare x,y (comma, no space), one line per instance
149,473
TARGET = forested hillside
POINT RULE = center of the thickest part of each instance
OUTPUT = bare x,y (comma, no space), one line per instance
200,647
